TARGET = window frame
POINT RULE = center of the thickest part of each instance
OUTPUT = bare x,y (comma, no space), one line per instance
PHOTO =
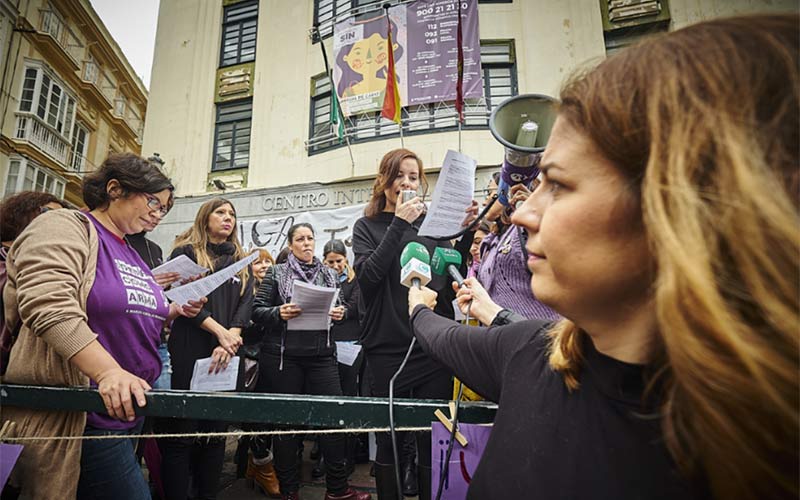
230,11
221,120
56,183
42,100
81,155
384,129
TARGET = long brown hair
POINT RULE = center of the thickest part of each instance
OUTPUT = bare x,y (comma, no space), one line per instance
704,124
197,237
387,171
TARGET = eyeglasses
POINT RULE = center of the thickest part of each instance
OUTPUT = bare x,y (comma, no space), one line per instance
155,205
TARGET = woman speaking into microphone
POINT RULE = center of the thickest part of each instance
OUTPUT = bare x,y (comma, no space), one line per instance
378,239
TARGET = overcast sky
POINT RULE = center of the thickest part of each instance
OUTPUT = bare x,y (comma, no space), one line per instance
133,26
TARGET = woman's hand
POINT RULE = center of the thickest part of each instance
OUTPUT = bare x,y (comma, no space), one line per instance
289,311
424,296
118,388
219,360
518,194
482,306
472,214
190,310
229,341
164,280
410,210
337,313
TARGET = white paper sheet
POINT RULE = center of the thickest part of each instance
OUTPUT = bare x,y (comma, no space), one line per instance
202,287
347,352
452,195
182,265
222,381
315,303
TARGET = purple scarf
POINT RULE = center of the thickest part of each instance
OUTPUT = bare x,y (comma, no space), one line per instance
307,272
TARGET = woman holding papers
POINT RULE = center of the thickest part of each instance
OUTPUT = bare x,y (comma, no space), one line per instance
300,361
378,239
211,242
90,314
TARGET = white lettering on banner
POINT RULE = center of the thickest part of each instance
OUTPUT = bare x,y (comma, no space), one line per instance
135,282
272,234
140,298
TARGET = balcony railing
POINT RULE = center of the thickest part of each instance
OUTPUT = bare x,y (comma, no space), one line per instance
50,23
364,127
95,75
32,129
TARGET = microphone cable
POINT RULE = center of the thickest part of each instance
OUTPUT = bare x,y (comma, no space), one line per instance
392,429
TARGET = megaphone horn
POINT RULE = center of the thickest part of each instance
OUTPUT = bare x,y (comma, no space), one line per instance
522,124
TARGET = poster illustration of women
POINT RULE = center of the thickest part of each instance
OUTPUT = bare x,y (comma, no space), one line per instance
361,50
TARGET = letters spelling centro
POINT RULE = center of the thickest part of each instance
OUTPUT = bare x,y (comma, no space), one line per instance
318,199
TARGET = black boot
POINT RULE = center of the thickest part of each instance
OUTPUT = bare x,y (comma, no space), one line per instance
409,477
424,480
386,482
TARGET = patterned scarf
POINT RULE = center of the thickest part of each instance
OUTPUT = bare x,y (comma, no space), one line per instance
303,271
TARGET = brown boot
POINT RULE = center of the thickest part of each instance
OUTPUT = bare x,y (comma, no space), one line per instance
262,477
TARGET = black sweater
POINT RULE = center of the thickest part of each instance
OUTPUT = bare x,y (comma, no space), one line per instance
349,328
600,441
377,244
227,305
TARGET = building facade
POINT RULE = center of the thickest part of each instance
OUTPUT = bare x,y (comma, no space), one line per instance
240,93
69,97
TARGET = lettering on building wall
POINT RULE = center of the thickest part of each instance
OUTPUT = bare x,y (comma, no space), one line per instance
316,199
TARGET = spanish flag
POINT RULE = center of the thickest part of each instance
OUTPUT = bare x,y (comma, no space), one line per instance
391,99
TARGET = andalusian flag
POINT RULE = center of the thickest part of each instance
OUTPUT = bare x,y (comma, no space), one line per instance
336,115
391,99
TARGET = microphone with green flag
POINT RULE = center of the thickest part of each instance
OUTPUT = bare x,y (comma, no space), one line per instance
415,265
447,261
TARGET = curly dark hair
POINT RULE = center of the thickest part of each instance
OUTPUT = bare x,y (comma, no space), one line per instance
17,211
134,173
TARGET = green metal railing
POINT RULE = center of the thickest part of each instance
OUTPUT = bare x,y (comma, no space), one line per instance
281,409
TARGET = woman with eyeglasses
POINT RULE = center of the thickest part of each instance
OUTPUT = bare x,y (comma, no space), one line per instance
216,332
90,314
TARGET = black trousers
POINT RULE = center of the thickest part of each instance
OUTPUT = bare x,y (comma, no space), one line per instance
200,459
304,375
422,378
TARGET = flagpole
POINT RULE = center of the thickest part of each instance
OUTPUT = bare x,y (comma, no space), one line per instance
460,73
335,96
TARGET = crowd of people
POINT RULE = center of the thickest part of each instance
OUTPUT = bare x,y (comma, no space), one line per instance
636,305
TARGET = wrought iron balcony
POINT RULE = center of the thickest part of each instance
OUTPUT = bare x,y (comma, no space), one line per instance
32,129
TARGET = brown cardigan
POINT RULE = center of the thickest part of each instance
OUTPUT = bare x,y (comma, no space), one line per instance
51,269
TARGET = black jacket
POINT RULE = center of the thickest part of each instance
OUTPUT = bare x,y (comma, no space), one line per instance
266,312
228,305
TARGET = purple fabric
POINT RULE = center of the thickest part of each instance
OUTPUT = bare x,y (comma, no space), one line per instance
504,274
463,460
126,309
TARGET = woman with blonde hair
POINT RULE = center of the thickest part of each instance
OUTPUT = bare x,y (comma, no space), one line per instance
212,242
665,232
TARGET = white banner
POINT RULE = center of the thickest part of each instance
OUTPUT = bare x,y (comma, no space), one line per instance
272,234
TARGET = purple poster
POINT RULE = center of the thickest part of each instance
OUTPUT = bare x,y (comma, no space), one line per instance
463,461
425,54
9,453
433,51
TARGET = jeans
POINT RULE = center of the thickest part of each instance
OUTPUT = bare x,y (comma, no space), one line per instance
164,381
109,469
304,375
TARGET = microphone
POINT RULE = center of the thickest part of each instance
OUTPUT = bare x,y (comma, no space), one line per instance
447,260
415,262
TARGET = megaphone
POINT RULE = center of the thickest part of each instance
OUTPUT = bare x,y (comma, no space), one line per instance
522,124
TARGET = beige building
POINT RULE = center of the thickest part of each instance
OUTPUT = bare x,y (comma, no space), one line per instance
239,93
69,97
